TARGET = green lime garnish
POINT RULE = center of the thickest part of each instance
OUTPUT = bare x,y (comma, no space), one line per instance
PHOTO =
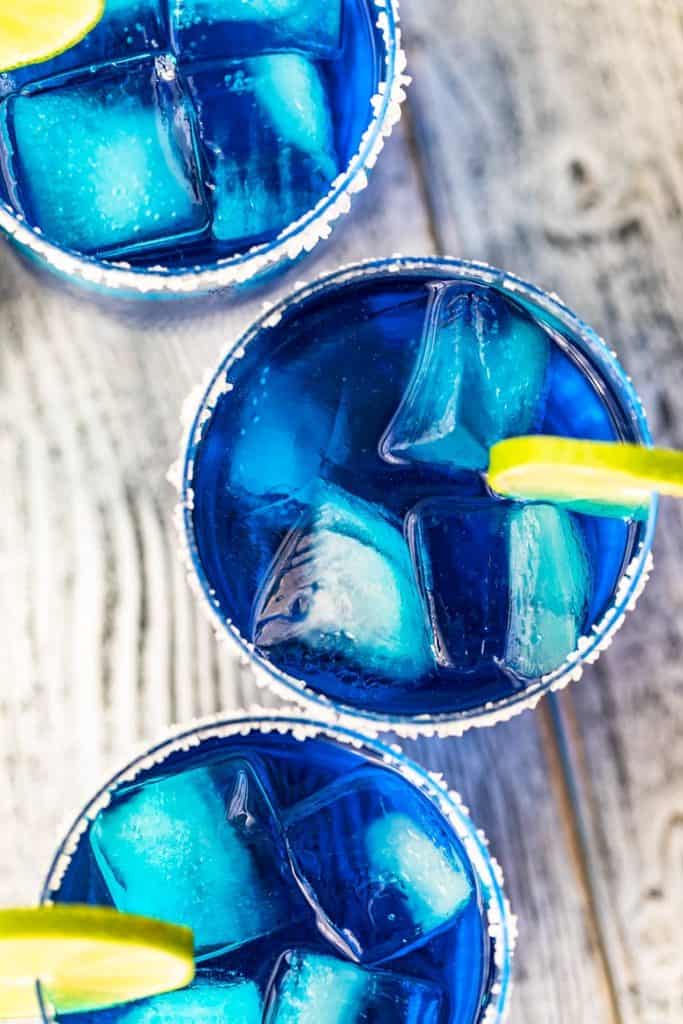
36,30
86,958
599,477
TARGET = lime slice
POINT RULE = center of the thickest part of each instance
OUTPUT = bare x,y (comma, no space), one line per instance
600,477
86,958
35,30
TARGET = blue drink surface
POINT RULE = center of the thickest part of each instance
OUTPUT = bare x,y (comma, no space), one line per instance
321,886
340,510
179,132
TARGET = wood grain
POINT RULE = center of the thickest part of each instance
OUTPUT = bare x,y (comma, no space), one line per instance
551,140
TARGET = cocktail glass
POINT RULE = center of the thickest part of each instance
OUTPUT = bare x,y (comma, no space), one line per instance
325,876
335,511
186,146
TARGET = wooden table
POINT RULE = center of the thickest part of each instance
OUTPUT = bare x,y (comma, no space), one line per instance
543,137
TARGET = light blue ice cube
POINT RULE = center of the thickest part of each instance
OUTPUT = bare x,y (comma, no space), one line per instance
220,997
234,28
550,581
267,128
378,864
342,584
309,988
281,444
108,165
479,376
399,849
201,848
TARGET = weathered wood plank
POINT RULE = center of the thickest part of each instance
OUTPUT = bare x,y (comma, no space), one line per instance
551,136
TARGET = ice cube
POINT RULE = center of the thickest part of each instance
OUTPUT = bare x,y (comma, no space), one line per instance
234,28
309,988
342,585
377,863
128,28
107,164
459,550
202,848
505,584
267,130
280,445
398,849
218,997
550,584
478,377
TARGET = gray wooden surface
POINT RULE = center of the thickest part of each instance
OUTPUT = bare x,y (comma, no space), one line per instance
543,137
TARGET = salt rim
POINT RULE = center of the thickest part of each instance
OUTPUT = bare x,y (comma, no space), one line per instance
501,922
197,411
299,237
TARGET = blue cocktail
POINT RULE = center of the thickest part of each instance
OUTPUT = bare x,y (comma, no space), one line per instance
189,144
326,878
336,506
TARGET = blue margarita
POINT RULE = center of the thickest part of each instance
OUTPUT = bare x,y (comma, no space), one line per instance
336,499
183,132
323,883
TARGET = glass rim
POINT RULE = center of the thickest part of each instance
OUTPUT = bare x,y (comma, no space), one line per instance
500,922
199,409
296,239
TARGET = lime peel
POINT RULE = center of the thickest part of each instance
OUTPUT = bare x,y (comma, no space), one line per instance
32,31
86,958
600,477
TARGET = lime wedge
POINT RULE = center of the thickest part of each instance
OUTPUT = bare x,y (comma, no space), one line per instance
86,958
600,477
35,30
